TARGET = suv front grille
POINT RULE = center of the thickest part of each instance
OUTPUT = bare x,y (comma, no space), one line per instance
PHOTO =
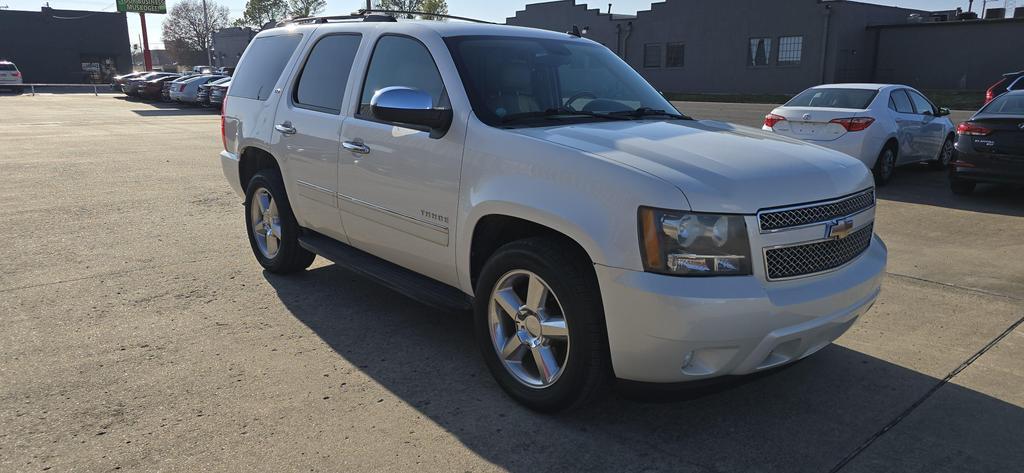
771,220
802,260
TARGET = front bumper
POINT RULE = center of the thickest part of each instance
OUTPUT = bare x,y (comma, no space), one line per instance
667,329
229,164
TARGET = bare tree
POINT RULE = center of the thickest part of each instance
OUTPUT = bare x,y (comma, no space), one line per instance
189,29
304,8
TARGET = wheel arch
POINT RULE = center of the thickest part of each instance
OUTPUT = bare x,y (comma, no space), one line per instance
253,159
494,230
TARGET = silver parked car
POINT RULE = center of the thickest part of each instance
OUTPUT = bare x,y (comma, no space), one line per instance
185,91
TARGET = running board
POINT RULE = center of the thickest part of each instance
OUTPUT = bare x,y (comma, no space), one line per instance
411,284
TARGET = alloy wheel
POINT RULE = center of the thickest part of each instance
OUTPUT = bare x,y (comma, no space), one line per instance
888,164
947,154
266,222
528,329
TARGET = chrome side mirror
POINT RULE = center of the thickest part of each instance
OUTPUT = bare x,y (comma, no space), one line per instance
943,111
411,107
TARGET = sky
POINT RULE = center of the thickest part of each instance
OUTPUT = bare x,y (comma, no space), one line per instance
491,10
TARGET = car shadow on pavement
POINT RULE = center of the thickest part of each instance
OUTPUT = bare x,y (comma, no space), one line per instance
805,418
919,184
167,109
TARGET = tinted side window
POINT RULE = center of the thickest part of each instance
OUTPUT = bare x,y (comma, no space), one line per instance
264,61
899,97
402,61
921,104
321,85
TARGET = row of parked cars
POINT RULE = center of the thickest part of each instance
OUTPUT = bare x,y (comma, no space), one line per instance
202,87
889,125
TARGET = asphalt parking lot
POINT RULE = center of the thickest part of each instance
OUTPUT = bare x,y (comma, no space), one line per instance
139,333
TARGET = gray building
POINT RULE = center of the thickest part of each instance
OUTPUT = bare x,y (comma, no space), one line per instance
229,44
65,46
773,46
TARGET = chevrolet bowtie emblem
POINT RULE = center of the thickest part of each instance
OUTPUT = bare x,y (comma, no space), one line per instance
838,229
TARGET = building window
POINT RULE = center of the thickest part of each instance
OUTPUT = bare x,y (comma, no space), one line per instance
652,55
790,49
760,51
675,54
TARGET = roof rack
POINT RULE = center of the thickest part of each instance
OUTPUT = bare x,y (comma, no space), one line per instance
370,15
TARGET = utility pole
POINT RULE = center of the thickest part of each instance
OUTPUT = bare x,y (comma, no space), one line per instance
208,34
147,57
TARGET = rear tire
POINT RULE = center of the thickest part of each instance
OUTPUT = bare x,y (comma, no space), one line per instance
945,155
565,331
885,165
961,187
271,225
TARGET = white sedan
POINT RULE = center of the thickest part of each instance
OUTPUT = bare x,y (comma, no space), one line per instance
883,125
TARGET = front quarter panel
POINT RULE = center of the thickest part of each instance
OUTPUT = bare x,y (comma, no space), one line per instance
591,199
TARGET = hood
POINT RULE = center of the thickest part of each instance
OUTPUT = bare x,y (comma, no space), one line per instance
719,167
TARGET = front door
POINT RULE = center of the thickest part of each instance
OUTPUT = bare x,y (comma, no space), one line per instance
399,186
307,128
932,133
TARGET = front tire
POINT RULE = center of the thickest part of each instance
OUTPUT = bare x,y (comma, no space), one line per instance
539,324
273,230
885,165
945,155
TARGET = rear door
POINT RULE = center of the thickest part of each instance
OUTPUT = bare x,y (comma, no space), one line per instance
308,127
908,125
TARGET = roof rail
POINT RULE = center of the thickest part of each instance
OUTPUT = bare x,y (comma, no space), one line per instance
436,15
369,15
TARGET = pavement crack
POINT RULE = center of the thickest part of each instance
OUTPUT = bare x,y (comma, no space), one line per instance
906,412
98,275
954,286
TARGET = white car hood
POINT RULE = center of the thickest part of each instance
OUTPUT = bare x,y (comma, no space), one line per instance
719,167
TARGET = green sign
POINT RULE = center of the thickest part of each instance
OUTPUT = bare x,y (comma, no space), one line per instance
142,6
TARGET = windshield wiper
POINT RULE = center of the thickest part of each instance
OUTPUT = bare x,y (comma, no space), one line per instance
558,113
649,112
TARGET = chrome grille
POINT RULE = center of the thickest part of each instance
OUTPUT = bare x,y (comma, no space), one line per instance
801,260
771,220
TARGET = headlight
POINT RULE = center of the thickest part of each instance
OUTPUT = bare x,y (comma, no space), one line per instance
693,244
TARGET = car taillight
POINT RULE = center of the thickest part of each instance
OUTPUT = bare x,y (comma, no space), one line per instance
771,119
971,129
17,74
181,88
854,124
223,133
991,92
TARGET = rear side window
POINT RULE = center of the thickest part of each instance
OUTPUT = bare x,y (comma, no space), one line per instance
901,101
834,98
264,61
402,61
321,85
8,67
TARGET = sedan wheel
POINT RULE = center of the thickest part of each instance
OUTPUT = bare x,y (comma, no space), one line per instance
528,329
945,155
884,166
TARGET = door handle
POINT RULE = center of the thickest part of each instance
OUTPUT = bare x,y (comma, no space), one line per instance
355,147
286,128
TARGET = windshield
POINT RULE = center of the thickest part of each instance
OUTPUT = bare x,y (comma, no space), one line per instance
834,98
517,81
1010,104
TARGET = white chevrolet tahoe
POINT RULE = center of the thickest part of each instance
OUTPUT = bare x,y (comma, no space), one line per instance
535,178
